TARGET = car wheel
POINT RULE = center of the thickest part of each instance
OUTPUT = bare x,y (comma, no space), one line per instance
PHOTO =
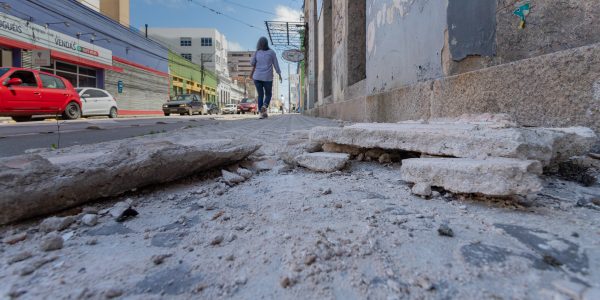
166,114
113,113
72,111
22,119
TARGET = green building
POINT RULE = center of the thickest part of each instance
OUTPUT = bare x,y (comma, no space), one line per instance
186,78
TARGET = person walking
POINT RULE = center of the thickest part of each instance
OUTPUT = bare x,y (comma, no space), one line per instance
263,62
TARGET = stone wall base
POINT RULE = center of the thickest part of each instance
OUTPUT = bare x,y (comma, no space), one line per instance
555,90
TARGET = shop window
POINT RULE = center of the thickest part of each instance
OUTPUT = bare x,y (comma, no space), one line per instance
187,56
61,66
87,71
78,76
72,78
206,42
85,81
27,77
51,82
185,42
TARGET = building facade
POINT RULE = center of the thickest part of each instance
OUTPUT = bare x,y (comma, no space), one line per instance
118,10
87,48
205,47
189,78
389,61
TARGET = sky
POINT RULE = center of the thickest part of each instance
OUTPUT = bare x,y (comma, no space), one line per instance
190,13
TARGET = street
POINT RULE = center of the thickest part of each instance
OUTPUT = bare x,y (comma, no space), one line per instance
288,232
16,138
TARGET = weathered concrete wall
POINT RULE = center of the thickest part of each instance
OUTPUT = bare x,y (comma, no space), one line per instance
471,28
559,89
325,48
310,13
551,26
404,42
356,41
339,57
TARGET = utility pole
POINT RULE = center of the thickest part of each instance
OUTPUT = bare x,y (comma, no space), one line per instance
289,88
202,68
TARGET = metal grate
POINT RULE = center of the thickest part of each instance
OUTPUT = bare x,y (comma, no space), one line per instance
286,35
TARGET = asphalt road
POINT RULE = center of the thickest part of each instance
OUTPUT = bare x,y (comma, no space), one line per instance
16,138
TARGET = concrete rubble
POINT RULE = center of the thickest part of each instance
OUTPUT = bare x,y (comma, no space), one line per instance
494,176
323,161
37,184
482,154
288,232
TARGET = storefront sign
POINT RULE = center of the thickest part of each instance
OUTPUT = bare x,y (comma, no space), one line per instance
120,86
293,55
24,31
41,58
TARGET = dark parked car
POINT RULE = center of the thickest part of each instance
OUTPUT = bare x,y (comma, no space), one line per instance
247,106
212,108
187,104
26,92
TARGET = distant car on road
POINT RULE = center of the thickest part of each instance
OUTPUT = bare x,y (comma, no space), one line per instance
212,108
187,104
26,92
229,109
97,102
247,106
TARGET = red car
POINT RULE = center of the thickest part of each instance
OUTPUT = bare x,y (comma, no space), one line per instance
247,106
26,92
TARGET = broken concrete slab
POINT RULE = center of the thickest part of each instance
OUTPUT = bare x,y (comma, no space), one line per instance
323,161
466,140
47,182
232,179
493,176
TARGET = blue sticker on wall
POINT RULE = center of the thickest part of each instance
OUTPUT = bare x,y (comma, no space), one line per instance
522,12
120,86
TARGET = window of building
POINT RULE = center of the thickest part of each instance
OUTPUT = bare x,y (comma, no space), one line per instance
206,42
187,56
51,82
185,42
77,75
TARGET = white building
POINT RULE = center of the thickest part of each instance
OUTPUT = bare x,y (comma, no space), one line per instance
203,46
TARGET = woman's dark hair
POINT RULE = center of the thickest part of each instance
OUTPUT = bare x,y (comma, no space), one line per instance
263,44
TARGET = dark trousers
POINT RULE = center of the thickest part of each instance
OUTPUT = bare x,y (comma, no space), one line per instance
265,92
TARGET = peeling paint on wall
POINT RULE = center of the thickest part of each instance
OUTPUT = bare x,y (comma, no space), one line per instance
472,28
400,49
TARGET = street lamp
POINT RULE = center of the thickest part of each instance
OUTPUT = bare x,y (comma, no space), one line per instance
79,34
98,40
54,23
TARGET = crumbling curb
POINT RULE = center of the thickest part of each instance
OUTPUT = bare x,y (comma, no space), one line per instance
35,185
493,177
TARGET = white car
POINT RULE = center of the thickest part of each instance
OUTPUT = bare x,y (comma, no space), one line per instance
229,109
97,102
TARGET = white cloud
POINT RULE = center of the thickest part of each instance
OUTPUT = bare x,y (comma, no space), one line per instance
233,46
285,13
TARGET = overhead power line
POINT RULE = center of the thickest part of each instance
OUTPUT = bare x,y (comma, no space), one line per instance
226,15
251,8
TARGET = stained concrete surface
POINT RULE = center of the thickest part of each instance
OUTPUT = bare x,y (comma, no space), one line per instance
282,237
